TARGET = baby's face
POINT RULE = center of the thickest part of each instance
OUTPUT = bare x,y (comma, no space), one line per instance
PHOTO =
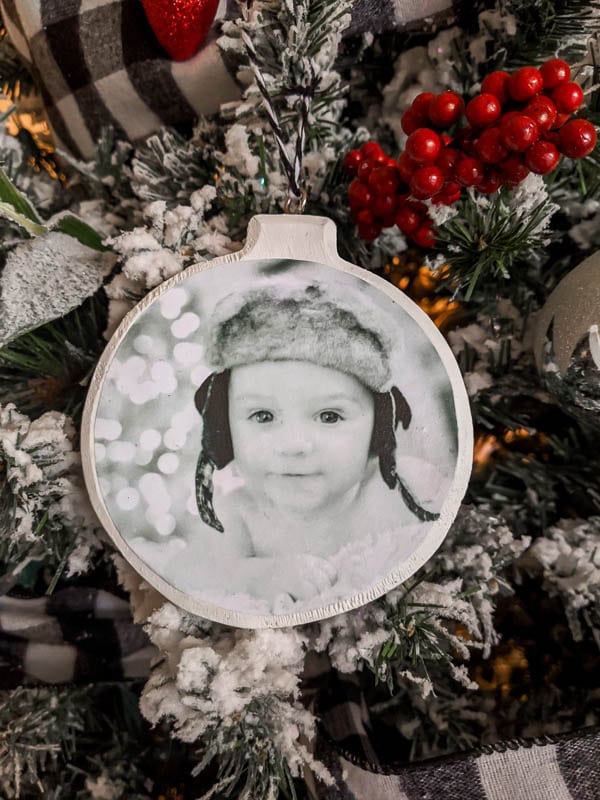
301,433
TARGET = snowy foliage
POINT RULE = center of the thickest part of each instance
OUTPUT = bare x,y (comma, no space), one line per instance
33,738
297,45
568,557
421,622
479,549
235,693
45,510
487,346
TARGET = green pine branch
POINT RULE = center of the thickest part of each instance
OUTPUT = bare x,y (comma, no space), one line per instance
536,479
49,368
487,243
72,742
546,28
40,728
171,167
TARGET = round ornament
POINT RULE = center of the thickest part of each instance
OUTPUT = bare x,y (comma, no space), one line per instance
567,342
277,436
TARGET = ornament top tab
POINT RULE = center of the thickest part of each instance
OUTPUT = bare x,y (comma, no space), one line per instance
277,436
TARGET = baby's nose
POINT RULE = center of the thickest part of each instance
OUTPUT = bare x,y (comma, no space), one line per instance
294,440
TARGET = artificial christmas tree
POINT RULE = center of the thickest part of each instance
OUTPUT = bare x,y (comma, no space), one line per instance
488,655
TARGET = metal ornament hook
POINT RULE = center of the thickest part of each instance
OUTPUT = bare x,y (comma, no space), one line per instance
296,205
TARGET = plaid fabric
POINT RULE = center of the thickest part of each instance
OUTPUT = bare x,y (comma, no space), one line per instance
560,768
98,63
77,635
563,768
553,768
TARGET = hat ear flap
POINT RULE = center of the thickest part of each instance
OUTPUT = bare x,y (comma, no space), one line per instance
391,409
211,400
204,492
402,412
383,439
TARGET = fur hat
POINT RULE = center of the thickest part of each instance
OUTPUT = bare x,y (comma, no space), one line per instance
280,322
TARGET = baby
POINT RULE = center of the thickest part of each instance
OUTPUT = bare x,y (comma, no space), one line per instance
300,411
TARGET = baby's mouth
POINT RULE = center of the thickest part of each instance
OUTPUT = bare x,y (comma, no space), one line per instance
297,474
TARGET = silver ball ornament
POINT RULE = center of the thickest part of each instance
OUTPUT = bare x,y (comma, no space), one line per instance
567,342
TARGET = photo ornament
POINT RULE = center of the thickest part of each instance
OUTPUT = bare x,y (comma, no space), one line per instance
277,436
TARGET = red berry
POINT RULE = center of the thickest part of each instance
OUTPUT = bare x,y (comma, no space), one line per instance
450,194
509,115
371,149
555,71
384,206
451,187
366,224
445,198
420,105
407,220
490,184
364,171
365,217
359,194
559,121
519,133
524,84
495,83
411,121
490,146
446,109
465,140
469,171
567,97
352,161
406,167
368,231
447,160
577,138
542,157
418,206
384,180
551,136
426,181
482,110
423,146
513,170
542,111
424,236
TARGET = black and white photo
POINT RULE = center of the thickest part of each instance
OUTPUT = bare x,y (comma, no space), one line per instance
274,437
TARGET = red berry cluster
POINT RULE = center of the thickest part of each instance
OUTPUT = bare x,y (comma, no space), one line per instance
519,123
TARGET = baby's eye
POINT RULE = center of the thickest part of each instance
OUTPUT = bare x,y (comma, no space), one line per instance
330,417
262,416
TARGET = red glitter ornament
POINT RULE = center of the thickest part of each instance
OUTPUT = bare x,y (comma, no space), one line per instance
180,25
